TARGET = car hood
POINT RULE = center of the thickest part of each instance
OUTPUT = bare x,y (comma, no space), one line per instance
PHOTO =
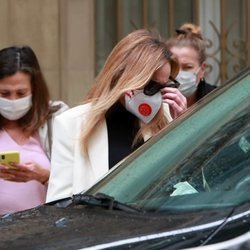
77,227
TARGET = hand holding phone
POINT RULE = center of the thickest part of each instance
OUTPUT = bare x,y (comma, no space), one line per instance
9,157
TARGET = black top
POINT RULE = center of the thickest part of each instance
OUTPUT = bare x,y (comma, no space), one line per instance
204,88
122,127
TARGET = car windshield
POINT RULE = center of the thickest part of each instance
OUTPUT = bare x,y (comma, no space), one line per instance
203,163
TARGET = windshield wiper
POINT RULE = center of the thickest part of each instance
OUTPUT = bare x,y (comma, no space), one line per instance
102,200
224,222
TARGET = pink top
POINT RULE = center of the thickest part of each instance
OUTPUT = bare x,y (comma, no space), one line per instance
16,196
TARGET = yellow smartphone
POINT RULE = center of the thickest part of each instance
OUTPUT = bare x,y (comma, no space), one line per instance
8,157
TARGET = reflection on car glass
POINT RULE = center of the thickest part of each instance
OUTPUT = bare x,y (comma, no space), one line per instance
231,164
244,144
243,184
222,161
220,168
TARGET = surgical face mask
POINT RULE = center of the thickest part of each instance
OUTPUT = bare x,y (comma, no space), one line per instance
143,106
188,82
15,109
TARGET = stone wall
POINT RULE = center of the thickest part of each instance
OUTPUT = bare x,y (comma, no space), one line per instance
61,32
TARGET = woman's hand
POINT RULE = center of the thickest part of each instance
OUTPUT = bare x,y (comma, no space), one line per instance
176,100
25,172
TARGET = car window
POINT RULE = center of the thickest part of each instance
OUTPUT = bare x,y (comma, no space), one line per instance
202,163
216,175
229,169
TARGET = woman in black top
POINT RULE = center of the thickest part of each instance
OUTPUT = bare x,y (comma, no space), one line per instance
190,49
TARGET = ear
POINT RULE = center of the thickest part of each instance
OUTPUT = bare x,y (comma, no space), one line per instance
202,70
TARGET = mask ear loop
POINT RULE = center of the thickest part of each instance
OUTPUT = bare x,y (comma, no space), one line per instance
197,71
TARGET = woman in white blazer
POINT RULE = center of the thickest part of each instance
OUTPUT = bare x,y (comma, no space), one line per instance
130,101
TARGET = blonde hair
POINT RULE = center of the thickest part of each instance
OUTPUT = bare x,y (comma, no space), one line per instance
129,66
189,35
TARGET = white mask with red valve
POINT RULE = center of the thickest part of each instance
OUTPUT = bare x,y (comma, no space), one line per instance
143,106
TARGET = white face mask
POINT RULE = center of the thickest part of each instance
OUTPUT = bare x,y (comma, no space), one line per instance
188,82
15,109
143,106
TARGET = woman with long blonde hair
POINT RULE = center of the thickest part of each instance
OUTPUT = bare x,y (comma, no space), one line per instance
132,99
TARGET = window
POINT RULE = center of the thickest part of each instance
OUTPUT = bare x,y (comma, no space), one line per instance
224,24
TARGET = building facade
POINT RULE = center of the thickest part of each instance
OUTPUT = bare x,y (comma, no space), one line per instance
72,38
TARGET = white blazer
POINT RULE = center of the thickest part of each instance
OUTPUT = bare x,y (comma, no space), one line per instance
71,171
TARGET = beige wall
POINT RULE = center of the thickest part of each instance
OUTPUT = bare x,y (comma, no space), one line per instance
61,32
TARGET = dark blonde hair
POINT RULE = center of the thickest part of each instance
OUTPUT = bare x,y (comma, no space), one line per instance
23,59
130,65
189,35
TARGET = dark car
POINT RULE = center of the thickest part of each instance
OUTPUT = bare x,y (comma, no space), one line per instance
189,186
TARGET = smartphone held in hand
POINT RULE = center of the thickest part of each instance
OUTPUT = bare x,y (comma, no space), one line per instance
9,157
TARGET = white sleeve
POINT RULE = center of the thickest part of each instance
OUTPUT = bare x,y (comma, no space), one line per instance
62,159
